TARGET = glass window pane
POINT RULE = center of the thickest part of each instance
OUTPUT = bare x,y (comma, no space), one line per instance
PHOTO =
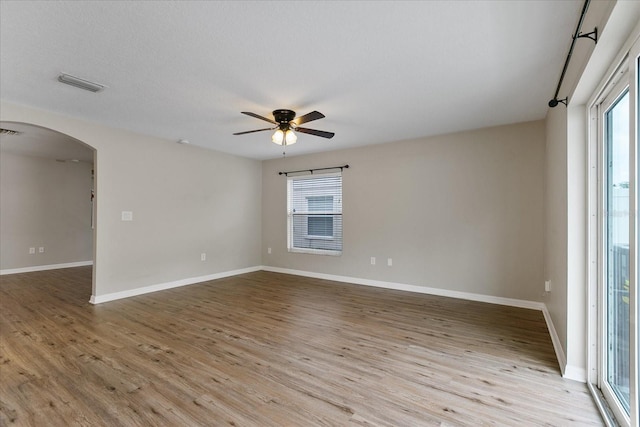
320,203
617,334
320,226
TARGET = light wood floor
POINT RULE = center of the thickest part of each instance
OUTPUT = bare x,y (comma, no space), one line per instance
266,349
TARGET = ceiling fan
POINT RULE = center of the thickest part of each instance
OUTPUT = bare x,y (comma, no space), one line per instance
286,124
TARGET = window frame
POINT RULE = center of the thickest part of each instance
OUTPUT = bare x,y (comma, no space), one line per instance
614,94
338,211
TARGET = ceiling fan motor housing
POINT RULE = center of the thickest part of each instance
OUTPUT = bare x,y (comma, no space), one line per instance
284,116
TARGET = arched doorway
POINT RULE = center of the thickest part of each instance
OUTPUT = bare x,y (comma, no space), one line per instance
48,200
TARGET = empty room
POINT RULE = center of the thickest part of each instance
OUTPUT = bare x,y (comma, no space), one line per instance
300,213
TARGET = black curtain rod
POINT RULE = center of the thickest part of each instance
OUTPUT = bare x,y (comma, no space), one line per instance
592,35
313,170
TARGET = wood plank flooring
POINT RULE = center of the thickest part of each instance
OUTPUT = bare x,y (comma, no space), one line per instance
267,349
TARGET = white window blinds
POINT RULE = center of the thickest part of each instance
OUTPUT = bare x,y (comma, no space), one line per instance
314,214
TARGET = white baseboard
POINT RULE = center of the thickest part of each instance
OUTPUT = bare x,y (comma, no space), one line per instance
575,373
45,267
570,372
534,305
98,299
555,339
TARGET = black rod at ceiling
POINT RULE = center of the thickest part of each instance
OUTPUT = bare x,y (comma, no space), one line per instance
311,171
592,35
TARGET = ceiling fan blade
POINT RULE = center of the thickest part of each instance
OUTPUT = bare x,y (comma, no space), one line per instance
252,131
259,117
314,115
321,133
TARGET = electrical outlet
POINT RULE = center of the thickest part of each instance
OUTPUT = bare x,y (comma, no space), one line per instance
373,260
127,216
32,251
41,250
203,256
268,250
547,285
389,262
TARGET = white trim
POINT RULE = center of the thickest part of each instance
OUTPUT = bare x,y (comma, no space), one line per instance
634,230
575,373
570,372
533,305
99,299
45,267
328,252
412,288
555,340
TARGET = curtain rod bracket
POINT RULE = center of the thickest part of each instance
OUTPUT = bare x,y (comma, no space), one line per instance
593,35
554,102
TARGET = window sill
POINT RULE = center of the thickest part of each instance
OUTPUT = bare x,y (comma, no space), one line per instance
315,251
313,237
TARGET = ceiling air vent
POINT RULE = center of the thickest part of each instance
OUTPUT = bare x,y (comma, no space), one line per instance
9,132
80,83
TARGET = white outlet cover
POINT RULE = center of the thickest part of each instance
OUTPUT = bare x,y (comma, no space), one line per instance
41,249
373,260
389,262
127,216
32,251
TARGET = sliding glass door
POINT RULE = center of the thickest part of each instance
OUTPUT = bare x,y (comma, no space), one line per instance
616,336
613,247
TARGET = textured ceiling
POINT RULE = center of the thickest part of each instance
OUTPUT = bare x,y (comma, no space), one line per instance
380,71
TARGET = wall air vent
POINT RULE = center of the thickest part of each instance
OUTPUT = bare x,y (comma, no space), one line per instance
9,132
80,83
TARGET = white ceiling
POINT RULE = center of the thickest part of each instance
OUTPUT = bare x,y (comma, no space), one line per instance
379,70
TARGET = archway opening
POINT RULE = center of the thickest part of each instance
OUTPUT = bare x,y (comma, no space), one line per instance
47,202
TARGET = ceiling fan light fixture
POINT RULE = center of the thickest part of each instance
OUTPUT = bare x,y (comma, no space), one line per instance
290,137
278,137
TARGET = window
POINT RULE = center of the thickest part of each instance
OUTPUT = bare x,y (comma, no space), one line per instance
314,214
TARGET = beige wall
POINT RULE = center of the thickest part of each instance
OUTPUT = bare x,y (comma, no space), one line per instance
556,219
185,201
461,212
44,203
